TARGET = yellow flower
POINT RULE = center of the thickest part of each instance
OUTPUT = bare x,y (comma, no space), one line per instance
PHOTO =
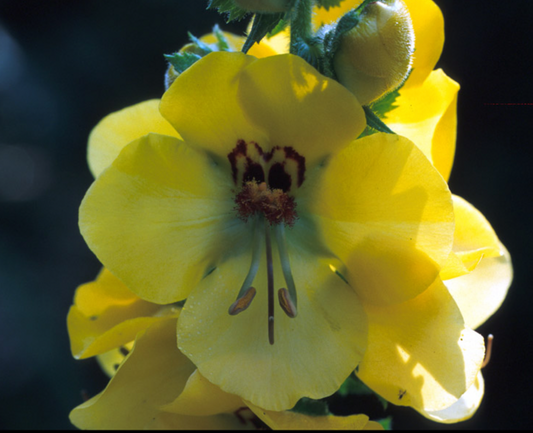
478,275
374,227
153,385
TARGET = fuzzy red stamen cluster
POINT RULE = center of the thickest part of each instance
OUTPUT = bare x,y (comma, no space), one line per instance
276,205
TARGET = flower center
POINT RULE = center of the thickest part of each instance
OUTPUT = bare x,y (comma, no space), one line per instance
266,180
257,198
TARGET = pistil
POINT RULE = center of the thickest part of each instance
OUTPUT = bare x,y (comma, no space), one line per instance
270,281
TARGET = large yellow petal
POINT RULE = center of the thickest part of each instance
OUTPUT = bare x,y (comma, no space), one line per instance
473,240
312,354
474,237
385,211
161,217
296,421
106,315
153,374
106,291
427,115
112,329
296,106
118,129
420,353
202,104
201,398
463,408
481,292
428,25
110,361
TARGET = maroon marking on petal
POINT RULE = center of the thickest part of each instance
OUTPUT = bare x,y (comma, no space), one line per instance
259,148
239,150
278,178
267,156
290,153
253,171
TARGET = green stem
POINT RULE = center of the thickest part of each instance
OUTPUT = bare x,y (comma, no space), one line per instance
301,23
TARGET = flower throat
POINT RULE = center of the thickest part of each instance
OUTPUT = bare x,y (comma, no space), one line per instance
266,200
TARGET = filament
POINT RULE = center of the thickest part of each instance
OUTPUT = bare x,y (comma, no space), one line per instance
288,298
247,292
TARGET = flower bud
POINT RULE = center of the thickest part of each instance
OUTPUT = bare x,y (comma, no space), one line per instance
263,5
375,56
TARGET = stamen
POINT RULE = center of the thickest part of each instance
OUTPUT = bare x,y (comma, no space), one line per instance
286,303
243,302
490,337
247,292
287,298
270,277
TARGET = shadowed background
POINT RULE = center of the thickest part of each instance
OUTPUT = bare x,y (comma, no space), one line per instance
66,64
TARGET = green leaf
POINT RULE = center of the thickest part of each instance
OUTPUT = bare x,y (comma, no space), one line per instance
386,423
308,406
326,4
182,61
234,12
375,122
354,386
263,24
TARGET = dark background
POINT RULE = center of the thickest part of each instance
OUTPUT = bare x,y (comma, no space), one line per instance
66,64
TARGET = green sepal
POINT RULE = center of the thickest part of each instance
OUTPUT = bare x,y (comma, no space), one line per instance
334,34
282,25
367,131
182,61
201,48
222,41
312,51
234,12
326,4
308,406
354,386
375,122
385,104
262,25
